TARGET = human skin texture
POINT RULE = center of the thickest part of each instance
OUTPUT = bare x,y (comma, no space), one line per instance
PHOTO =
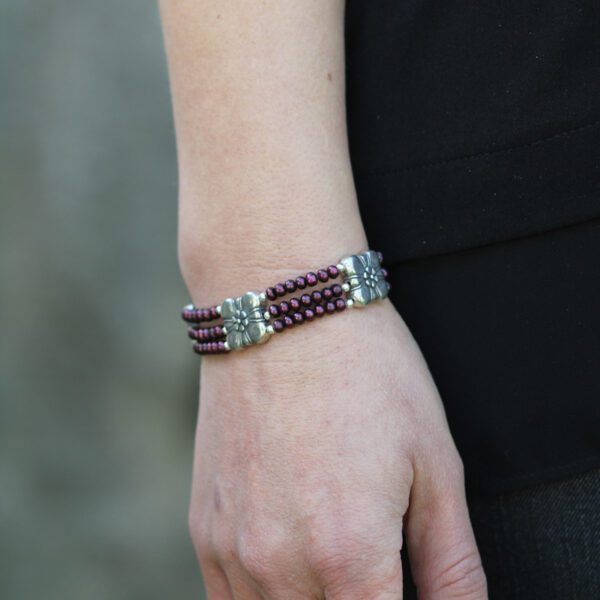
315,451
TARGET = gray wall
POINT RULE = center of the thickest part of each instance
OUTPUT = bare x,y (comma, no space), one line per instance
97,382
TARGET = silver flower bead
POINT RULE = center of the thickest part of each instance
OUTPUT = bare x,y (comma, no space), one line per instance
244,319
363,274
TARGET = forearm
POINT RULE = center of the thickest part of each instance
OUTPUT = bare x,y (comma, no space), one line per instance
265,180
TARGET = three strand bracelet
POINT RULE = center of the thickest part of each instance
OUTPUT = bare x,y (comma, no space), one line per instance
254,317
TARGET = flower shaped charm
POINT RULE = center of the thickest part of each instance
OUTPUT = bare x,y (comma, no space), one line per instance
244,320
362,272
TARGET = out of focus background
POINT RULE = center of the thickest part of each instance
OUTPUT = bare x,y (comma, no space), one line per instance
98,387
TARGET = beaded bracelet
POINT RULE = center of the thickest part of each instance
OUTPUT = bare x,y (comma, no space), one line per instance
252,318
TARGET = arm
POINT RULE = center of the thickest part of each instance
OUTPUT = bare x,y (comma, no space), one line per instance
308,449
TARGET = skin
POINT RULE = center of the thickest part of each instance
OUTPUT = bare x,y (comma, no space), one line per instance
314,451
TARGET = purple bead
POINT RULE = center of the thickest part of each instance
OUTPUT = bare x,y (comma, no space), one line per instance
340,304
294,303
290,286
270,293
309,314
221,346
306,300
273,310
333,271
279,289
218,331
298,318
317,297
213,312
319,310
327,293
330,307
300,282
337,290
322,275
278,325
384,273
284,308
288,321
311,279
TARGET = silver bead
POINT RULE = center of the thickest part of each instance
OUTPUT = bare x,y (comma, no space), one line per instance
350,303
219,310
267,316
341,268
224,329
270,329
263,297
226,346
346,287
189,307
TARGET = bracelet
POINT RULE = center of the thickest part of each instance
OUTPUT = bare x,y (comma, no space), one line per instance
254,317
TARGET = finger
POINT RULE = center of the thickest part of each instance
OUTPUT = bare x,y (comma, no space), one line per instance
242,585
443,553
215,582
364,573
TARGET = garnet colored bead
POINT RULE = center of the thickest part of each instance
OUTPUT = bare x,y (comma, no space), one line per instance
327,293
319,310
309,314
273,310
337,290
340,304
221,346
311,279
284,307
384,273
290,286
317,297
298,318
306,300
322,275
278,325
214,313
270,293
280,289
333,271
300,282
288,321
330,307
294,303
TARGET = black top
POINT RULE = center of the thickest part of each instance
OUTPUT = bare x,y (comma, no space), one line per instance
472,122
472,127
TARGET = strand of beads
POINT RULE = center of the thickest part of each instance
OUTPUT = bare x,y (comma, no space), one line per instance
282,315
191,314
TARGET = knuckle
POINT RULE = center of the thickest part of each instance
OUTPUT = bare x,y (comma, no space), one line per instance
333,556
196,527
259,554
464,578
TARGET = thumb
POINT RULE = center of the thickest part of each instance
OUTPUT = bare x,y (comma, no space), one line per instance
444,559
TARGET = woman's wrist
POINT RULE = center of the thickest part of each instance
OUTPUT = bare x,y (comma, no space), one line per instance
231,264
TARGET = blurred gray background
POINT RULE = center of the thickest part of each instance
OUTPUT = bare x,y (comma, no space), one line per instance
98,387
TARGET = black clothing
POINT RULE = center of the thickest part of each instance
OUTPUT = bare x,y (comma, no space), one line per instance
474,134
511,334
539,544
472,122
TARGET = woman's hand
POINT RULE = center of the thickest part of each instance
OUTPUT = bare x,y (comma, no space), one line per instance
312,451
